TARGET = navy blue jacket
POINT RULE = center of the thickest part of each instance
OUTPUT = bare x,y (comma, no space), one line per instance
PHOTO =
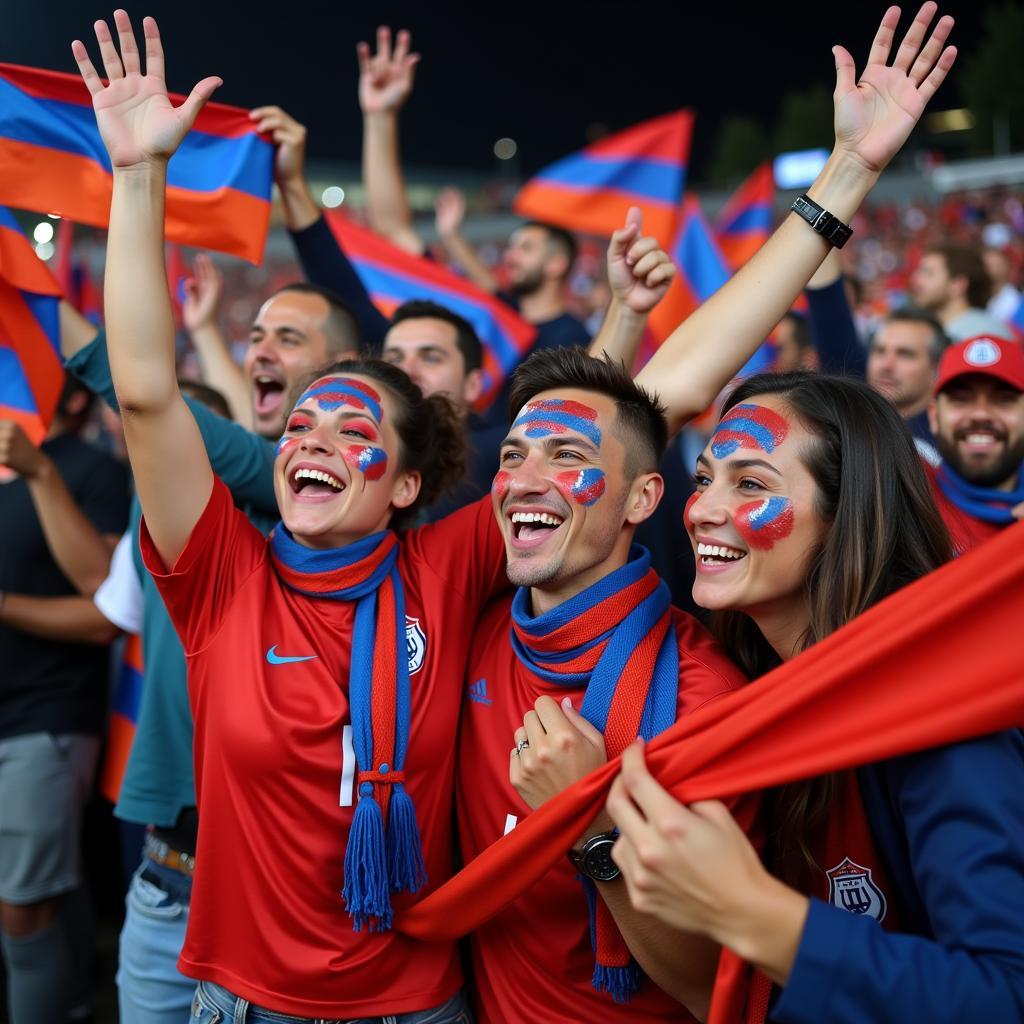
949,826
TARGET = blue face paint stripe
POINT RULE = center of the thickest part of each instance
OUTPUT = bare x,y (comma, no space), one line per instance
739,425
540,417
336,387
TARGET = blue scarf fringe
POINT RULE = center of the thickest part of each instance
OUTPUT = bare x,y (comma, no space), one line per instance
985,503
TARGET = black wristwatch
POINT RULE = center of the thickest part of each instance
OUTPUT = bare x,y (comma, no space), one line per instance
595,859
830,227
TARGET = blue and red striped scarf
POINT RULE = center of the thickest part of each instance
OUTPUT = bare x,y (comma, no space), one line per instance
383,853
616,639
985,503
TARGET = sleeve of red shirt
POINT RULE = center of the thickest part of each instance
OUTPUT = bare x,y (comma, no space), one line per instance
466,550
223,550
707,674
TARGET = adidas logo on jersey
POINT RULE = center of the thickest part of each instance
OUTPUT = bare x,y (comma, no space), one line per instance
477,692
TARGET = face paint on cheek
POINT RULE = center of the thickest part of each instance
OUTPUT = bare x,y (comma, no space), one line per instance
500,484
763,523
371,462
686,510
749,426
286,444
584,486
559,416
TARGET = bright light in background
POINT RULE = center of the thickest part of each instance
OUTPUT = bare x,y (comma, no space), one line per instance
44,250
959,120
800,168
333,196
505,149
43,233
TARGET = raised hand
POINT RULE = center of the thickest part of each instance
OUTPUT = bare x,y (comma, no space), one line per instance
17,452
449,211
385,78
136,118
639,270
290,139
203,291
874,116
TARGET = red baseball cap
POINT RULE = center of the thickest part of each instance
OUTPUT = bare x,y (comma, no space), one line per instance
993,357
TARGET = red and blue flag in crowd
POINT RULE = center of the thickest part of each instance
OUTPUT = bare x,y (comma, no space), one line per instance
702,270
393,276
745,222
53,160
73,276
31,369
124,714
591,190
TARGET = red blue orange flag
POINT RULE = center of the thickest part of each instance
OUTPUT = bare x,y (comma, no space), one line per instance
124,714
745,222
31,370
702,271
53,160
591,190
393,276
73,276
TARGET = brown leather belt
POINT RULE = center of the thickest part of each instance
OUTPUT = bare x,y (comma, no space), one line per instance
159,852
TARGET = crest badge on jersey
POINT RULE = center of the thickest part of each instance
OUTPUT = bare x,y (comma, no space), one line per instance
415,644
851,887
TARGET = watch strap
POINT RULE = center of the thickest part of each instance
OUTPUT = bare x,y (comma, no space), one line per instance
830,227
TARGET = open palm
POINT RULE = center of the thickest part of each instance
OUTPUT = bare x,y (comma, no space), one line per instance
874,117
385,78
136,119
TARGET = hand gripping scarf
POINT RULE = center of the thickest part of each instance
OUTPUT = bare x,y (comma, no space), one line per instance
378,859
985,503
616,639
902,664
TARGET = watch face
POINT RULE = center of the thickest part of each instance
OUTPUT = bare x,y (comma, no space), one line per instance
598,863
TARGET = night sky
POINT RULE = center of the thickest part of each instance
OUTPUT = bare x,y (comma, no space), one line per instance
540,73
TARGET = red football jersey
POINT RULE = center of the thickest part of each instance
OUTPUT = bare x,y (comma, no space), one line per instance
967,531
274,766
534,960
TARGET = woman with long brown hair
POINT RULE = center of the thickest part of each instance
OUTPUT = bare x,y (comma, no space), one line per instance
891,893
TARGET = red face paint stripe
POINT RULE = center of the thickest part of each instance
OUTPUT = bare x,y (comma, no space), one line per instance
763,523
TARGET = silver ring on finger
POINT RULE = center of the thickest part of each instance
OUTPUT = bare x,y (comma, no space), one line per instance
521,745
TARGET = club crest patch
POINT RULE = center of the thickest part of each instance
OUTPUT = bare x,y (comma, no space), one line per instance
851,887
415,644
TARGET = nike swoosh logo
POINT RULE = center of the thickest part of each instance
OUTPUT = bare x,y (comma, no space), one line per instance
273,658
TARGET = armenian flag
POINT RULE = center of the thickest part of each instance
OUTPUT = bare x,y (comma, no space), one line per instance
745,222
73,276
591,190
53,160
31,370
393,276
124,714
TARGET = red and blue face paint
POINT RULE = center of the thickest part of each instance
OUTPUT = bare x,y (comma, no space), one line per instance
762,523
585,486
371,462
686,509
285,445
748,426
559,416
331,393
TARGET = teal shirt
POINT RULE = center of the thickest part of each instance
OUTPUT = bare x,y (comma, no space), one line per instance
158,781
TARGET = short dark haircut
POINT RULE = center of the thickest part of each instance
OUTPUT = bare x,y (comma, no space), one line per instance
341,327
801,329
210,397
558,239
965,261
466,338
939,341
639,416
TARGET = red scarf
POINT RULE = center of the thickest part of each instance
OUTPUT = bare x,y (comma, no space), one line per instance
850,875
903,662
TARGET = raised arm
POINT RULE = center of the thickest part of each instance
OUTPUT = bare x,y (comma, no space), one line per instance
203,293
449,211
141,130
639,275
385,82
873,118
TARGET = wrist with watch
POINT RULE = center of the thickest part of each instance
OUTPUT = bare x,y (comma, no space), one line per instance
594,859
830,227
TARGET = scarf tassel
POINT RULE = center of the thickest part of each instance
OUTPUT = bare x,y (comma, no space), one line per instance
621,983
366,894
404,849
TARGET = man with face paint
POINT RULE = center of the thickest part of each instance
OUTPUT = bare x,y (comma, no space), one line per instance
977,416
593,638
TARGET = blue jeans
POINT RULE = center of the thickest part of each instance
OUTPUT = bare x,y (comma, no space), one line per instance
216,1005
150,988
